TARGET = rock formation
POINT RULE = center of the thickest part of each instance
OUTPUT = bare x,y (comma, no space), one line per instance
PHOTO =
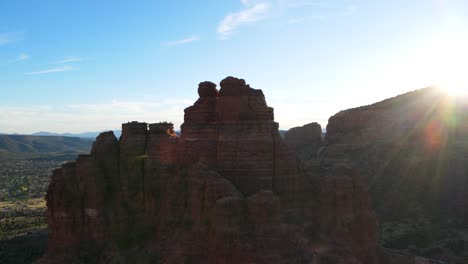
228,190
309,134
411,150
422,133
306,141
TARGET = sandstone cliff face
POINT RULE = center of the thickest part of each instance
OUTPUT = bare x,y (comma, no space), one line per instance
309,134
411,151
415,143
307,142
228,190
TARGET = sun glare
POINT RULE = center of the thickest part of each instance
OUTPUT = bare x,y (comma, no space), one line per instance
439,61
456,91
452,79
451,59
454,88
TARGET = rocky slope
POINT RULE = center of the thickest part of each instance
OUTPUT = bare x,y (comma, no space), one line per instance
227,190
412,151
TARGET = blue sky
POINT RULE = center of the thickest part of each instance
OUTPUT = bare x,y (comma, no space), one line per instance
75,66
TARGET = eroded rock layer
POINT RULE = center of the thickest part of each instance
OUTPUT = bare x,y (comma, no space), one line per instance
412,152
228,190
412,148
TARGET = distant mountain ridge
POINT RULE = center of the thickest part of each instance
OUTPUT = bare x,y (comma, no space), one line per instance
93,135
44,144
80,135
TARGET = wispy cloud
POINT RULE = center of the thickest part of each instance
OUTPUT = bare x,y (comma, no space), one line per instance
180,41
21,57
53,70
298,20
252,13
70,59
8,37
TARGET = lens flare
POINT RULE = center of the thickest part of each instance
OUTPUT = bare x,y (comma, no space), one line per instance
449,61
454,87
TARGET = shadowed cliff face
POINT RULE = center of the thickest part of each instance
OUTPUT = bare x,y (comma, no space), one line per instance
412,152
228,190
412,148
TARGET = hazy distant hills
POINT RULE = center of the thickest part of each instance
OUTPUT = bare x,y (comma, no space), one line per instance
80,135
93,135
44,144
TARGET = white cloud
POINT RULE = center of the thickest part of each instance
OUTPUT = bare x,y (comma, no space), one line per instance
21,57
251,14
180,42
70,59
53,70
256,10
77,118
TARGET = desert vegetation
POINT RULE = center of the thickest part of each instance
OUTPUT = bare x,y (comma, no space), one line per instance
24,178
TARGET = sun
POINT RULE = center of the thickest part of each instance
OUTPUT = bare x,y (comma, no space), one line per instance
456,91
454,88
452,79
450,74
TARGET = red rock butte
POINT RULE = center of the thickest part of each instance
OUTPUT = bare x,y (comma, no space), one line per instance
227,190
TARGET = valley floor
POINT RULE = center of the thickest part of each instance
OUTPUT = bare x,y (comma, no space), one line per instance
24,249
